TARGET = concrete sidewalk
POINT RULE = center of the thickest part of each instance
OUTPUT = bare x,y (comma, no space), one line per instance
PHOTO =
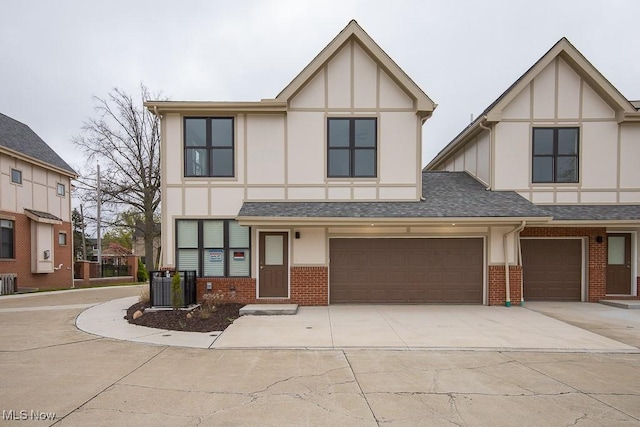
402,327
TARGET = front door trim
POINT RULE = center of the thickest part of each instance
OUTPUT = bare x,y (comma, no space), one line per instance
257,260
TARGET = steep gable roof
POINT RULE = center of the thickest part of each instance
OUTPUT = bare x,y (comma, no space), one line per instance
625,109
18,138
353,31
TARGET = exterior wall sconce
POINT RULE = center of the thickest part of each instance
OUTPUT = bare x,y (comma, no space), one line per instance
297,234
47,254
599,239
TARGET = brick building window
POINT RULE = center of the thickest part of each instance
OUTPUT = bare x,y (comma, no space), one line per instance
62,239
214,248
6,239
555,155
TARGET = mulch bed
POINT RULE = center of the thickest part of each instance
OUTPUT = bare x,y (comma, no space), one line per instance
199,321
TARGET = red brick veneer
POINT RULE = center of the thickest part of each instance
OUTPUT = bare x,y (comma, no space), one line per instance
309,286
21,265
497,284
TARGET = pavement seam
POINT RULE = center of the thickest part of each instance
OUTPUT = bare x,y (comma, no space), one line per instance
391,327
110,385
333,346
346,358
578,391
97,338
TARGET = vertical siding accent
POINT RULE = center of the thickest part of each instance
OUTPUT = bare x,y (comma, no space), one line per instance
352,74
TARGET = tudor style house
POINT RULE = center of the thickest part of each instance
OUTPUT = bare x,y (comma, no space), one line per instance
317,196
36,242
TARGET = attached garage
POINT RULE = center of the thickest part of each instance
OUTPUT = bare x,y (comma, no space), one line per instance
552,269
444,271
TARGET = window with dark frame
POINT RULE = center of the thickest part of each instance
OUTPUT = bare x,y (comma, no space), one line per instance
62,239
214,248
555,155
16,176
61,190
352,147
208,147
7,237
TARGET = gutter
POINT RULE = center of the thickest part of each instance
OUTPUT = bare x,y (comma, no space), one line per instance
507,285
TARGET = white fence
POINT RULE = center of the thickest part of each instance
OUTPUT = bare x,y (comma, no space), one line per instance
8,283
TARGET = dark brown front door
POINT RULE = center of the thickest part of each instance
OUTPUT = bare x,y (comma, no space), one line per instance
552,269
406,271
619,264
274,263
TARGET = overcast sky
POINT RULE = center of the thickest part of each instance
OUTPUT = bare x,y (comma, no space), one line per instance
55,55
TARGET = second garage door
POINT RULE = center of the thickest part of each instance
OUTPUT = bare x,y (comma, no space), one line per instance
552,269
406,270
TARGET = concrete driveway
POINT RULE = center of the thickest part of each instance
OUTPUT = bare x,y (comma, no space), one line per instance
49,366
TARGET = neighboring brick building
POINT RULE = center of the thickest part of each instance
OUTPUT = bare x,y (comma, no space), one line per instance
36,239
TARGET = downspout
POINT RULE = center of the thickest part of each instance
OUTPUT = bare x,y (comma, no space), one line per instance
519,260
506,261
482,126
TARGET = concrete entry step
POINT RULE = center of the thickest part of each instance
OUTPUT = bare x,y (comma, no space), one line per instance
628,304
268,309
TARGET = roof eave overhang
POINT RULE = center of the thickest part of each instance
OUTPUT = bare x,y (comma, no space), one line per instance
40,163
40,219
197,107
472,130
360,221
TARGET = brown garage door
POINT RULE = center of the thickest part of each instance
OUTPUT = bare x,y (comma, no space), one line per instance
406,271
552,269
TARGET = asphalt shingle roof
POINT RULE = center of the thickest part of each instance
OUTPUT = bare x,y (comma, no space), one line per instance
44,215
593,212
19,137
446,194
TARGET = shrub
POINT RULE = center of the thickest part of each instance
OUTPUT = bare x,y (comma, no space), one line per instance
143,274
176,292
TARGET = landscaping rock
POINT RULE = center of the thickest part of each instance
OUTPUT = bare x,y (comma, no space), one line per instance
137,314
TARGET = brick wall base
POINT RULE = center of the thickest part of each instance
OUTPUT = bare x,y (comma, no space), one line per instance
497,284
21,264
309,286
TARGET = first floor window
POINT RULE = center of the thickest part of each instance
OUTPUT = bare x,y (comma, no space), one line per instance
555,155
16,176
351,147
213,248
6,239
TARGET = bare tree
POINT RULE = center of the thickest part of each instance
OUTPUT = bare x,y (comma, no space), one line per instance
125,138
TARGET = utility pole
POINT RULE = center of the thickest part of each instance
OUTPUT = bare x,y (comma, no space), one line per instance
99,197
84,244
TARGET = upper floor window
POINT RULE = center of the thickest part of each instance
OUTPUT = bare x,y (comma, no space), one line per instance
214,248
62,239
555,155
61,190
6,239
352,146
16,176
208,146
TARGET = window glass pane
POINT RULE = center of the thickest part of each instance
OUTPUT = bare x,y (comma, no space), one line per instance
62,239
338,162
16,176
188,260
195,134
273,250
365,133
239,262
222,159
238,235
365,162
566,169
338,133
616,249
196,162
5,223
61,189
543,169
222,132
187,234
543,141
6,237
567,141
213,234
213,262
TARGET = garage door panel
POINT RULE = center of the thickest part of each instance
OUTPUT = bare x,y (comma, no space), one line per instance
407,270
552,269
